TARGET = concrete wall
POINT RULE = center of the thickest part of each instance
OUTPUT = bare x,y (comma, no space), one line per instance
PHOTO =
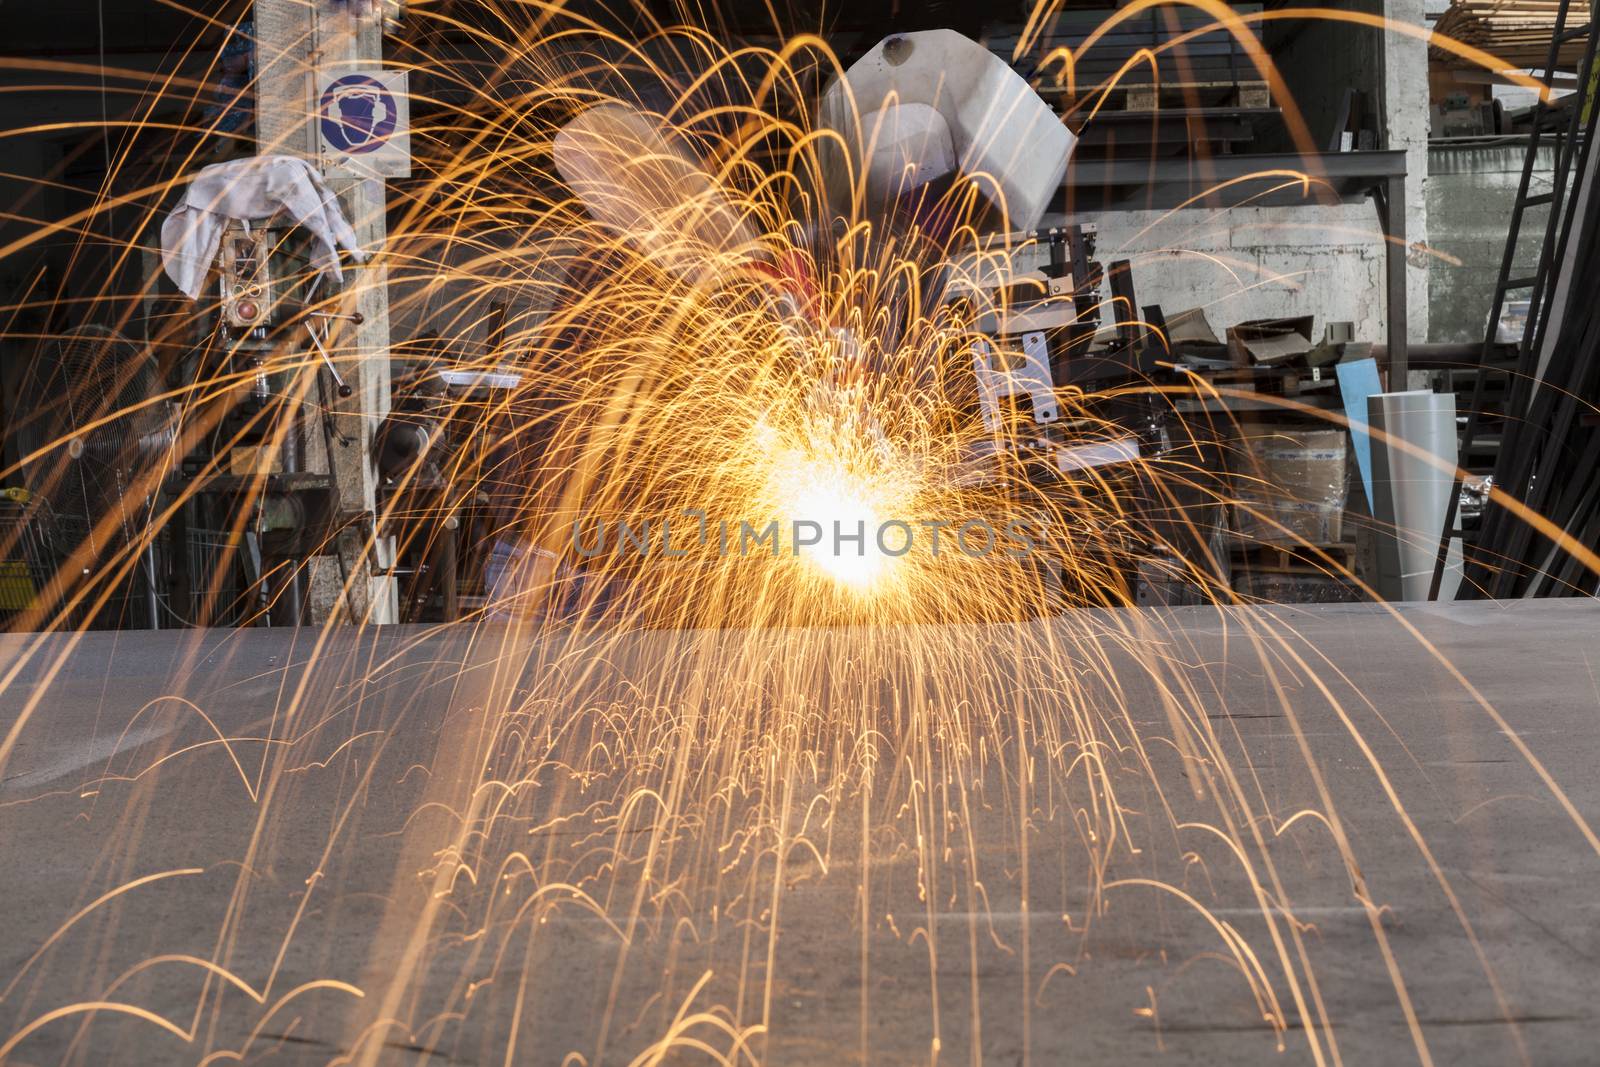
1252,263
1405,88
1470,192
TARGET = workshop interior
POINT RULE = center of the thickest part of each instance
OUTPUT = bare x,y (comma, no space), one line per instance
1221,247
991,483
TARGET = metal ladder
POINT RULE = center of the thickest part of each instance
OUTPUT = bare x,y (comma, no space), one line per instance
1552,250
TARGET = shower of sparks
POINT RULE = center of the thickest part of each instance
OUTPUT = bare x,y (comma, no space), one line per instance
676,752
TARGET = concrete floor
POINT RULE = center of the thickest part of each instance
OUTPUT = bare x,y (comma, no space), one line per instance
1008,918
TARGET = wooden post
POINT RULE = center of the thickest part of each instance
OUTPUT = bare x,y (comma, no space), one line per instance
296,38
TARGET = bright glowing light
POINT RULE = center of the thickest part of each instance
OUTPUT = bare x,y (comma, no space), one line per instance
840,508
842,503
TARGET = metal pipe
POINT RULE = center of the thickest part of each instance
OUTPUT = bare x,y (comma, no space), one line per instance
1436,355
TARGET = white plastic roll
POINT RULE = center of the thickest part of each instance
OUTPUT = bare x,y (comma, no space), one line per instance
1413,474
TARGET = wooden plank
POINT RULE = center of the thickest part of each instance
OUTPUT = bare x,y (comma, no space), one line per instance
1517,31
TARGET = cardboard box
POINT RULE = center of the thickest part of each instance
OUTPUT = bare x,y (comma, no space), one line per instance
1291,486
1268,342
247,460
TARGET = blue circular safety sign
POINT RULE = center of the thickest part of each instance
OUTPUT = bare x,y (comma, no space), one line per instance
358,114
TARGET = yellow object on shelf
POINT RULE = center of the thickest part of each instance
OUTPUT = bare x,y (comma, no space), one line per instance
16,585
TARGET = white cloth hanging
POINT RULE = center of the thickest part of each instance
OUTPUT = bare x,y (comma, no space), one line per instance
253,190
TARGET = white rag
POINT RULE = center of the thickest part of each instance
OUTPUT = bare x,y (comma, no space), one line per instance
253,189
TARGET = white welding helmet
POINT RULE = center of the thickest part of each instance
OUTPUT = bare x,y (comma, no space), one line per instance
919,105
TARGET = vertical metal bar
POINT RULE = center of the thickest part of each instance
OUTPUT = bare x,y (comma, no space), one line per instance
1395,260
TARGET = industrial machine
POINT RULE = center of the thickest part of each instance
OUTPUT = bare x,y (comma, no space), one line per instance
252,514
